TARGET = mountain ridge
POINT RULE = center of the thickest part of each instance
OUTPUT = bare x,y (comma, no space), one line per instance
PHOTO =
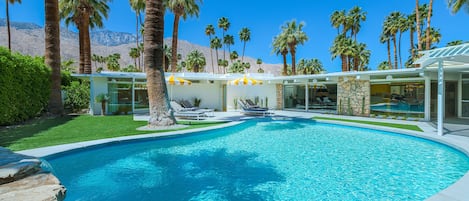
25,35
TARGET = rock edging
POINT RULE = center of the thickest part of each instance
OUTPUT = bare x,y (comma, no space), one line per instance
22,178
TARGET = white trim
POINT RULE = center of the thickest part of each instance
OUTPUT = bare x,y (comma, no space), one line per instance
441,97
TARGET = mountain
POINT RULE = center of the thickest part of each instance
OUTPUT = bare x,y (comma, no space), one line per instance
28,38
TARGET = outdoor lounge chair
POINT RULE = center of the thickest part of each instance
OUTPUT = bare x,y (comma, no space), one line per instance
188,106
183,113
251,104
254,111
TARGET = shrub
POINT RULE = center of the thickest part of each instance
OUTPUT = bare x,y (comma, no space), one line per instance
24,87
77,95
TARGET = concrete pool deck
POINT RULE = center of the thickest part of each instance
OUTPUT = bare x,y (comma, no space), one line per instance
457,137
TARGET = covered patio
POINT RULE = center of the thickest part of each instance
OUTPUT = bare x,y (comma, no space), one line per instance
448,63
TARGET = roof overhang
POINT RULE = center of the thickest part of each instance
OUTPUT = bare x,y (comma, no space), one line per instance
453,58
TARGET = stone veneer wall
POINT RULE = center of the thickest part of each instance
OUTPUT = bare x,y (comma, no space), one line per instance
353,96
279,89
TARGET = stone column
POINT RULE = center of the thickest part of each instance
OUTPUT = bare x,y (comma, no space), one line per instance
353,96
279,89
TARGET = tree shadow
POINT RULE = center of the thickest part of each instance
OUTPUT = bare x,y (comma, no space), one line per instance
11,134
212,174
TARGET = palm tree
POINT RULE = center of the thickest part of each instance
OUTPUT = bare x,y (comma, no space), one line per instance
435,36
361,57
429,16
340,47
356,17
456,5
134,54
233,56
386,38
209,31
215,43
8,20
411,26
391,24
52,54
295,36
455,42
195,60
223,24
337,19
228,40
244,36
138,6
316,66
180,8
280,46
259,62
403,26
417,22
85,14
161,113
385,65
167,54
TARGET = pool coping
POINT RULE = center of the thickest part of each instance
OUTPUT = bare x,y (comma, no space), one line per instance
455,192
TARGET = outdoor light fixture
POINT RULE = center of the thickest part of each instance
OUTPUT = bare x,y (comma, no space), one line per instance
315,81
389,77
327,78
421,74
358,77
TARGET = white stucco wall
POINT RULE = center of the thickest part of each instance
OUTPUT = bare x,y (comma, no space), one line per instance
261,91
209,93
99,86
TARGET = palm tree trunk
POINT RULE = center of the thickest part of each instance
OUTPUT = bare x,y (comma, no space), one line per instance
400,57
86,44
343,58
429,17
389,54
81,45
211,54
52,54
8,25
285,70
293,62
412,49
244,47
395,51
218,65
419,32
174,46
161,113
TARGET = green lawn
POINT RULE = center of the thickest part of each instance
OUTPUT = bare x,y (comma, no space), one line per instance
392,125
63,130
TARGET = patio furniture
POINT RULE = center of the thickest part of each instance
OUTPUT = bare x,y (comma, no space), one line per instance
251,104
183,113
253,111
187,105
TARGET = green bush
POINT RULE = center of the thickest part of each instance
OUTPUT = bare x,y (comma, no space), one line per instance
77,95
24,87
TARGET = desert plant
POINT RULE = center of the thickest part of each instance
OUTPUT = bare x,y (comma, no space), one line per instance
77,95
102,98
266,101
256,100
235,103
197,102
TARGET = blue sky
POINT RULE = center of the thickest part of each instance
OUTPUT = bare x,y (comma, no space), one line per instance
264,19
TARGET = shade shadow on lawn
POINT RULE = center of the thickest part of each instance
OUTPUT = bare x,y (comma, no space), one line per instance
12,134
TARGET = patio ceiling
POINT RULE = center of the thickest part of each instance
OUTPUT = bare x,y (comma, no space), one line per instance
454,58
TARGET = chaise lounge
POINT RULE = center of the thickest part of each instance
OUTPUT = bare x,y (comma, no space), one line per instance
183,113
253,111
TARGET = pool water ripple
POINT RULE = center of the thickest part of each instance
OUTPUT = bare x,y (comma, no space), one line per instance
265,160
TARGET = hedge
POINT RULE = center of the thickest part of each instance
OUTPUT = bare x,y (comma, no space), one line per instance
24,87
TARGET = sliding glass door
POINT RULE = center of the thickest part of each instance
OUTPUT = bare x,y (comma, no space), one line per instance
465,98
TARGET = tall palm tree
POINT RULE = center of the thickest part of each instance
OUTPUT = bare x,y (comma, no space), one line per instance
8,20
386,38
295,36
316,66
342,47
180,8
429,17
244,36
134,54
215,43
138,6
356,17
85,14
167,54
403,26
224,24
280,46
392,25
52,54
161,113
435,36
337,19
361,57
411,26
228,40
455,42
196,60
209,31
259,62
233,56
456,5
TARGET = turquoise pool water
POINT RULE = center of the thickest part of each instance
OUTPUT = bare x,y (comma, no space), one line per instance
398,108
264,160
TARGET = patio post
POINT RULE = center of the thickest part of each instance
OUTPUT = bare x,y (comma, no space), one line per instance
133,95
91,95
306,97
441,95
428,95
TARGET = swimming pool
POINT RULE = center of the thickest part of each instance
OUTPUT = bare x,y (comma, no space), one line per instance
264,160
398,108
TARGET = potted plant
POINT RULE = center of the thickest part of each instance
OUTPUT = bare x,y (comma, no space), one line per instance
102,98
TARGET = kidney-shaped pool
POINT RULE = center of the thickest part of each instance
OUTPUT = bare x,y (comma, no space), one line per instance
264,159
